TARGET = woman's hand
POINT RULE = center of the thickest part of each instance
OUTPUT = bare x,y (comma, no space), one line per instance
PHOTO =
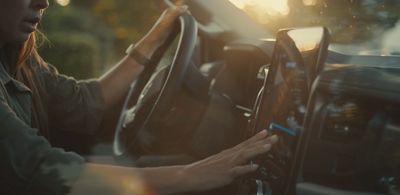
214,171
160,31
116,82
222,168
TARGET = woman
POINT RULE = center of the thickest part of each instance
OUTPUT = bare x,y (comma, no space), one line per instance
35,99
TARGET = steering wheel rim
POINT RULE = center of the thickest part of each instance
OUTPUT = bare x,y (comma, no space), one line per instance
172,84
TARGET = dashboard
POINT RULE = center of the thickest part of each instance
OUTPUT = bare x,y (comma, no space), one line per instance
352,137
344,138
347,142
338,136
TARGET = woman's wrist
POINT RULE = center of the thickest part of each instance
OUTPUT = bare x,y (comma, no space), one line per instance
168,179
193,177
134,53
187,179
147,47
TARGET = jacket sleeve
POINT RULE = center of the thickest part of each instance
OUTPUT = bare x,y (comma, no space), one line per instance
28,164
72,105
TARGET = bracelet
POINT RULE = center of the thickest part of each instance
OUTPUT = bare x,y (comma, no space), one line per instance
137,56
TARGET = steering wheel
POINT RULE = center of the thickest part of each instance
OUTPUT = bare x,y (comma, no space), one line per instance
150,96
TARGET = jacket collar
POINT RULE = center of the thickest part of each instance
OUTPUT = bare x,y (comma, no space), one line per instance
4,76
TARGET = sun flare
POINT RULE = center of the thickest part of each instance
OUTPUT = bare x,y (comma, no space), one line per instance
271,7
63,2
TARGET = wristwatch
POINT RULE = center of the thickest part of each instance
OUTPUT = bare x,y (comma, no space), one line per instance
136,55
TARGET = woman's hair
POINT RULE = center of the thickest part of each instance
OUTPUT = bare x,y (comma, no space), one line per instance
20,58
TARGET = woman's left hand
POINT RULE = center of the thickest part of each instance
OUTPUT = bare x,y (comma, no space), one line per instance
222,168
160,31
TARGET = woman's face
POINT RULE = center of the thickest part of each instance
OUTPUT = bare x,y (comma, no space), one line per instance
19,18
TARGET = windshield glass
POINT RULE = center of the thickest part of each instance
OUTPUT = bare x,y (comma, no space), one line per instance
362,27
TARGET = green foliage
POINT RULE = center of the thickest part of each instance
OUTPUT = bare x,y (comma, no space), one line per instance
74,54
129,20
75,19
80,45
105,27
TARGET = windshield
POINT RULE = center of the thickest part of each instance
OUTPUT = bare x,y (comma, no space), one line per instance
362,27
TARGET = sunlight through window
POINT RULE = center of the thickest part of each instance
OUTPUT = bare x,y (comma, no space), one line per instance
309,2
63,2
271,7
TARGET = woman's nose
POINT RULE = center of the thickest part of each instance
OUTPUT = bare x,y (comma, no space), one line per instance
40,4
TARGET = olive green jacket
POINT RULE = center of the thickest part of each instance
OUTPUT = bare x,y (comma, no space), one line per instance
28,163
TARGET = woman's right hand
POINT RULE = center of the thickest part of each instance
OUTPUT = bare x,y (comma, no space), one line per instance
160,31
220,169
214,171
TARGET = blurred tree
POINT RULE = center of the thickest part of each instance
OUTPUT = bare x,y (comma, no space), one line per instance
71,30
129,20
104,27
78,54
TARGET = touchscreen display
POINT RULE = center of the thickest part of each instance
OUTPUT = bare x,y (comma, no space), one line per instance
298,58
